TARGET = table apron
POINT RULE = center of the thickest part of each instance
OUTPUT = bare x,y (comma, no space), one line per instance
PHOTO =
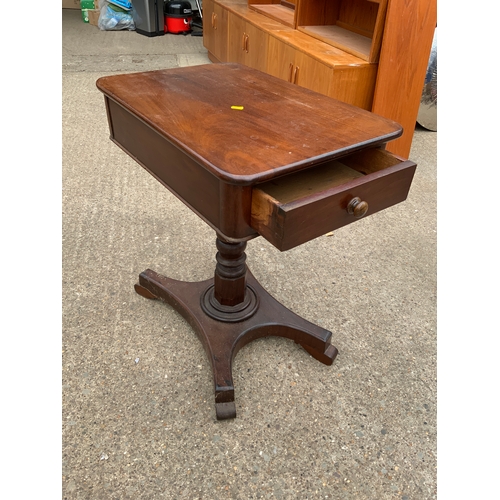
225,207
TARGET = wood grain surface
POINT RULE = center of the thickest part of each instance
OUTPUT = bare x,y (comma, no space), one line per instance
282,127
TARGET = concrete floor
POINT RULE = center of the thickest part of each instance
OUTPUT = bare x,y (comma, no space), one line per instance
138,414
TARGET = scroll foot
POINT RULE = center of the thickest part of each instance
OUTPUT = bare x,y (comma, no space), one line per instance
327,357
224,411
144,292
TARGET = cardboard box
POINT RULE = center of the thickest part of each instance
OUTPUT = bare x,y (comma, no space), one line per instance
86,5
71,4
93,15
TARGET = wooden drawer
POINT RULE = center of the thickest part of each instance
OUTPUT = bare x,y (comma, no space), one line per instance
296,208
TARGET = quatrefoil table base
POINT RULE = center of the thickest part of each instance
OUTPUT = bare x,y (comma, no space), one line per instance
224,330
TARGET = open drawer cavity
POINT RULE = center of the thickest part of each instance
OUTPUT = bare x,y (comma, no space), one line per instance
296,208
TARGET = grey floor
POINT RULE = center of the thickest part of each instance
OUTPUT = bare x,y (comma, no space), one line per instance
138,414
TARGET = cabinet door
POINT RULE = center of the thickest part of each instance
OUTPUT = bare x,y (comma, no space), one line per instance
247,43
295,66
281,60
215,30
236,39
256,47
312,74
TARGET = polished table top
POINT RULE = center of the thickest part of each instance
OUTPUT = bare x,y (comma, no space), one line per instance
282,127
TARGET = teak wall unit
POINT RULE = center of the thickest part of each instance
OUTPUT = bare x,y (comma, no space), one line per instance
369,53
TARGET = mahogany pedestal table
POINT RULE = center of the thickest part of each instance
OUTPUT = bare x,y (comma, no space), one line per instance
251,155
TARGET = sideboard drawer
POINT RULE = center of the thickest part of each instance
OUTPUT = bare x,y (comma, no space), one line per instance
295,208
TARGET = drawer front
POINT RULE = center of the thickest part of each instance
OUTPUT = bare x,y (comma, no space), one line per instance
289,212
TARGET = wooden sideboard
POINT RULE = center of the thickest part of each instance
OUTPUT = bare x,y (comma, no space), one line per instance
369,53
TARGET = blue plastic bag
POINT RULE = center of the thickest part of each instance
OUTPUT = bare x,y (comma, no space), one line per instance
114,18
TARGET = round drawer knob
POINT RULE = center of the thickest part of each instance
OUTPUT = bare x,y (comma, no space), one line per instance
357,207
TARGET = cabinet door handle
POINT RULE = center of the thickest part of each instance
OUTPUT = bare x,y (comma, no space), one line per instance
214,20
296,75
290,73
243,40
246,43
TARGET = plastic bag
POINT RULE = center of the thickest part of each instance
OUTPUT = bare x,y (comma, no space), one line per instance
114,18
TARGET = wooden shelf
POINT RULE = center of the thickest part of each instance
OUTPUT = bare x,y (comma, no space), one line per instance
355,26
280,13
341,38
